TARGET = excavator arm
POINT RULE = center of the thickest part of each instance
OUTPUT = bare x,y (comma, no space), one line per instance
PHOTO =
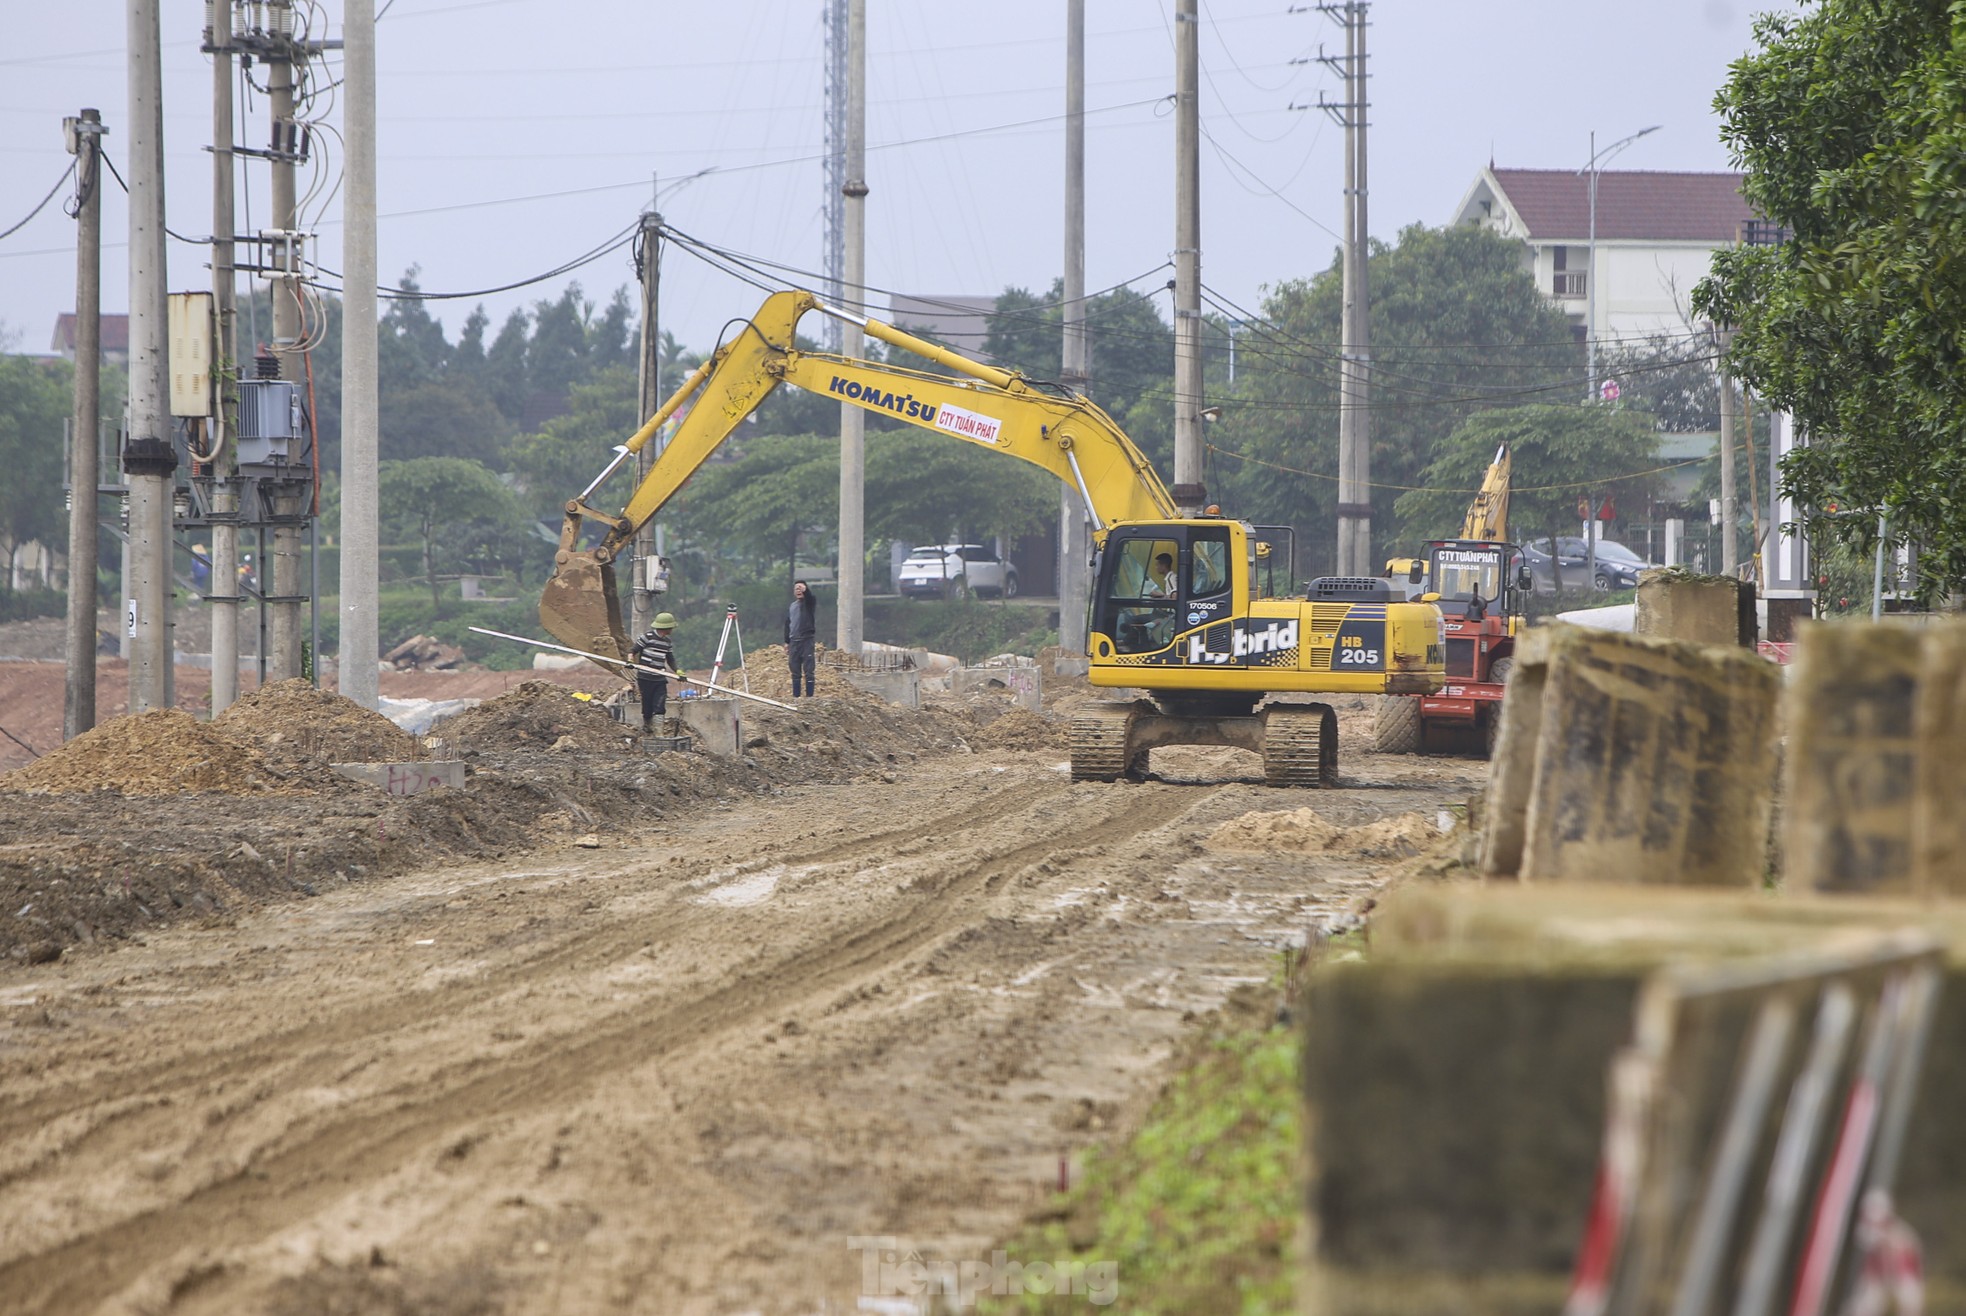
996,409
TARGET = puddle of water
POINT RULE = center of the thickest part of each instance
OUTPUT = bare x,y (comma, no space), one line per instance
750,889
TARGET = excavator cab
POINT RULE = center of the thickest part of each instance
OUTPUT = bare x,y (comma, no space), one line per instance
1158,582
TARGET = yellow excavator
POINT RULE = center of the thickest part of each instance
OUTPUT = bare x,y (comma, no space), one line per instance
1193,610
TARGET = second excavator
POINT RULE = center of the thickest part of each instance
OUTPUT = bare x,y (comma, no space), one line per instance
1194,611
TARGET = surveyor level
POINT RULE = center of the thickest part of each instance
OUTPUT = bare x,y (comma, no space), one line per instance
623,662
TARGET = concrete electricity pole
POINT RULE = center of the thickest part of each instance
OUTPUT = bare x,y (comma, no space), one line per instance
853,421
1355,332
1730,510
224,585
148,455
1189,493
360,555
648,381
79,698
285,592
1074,548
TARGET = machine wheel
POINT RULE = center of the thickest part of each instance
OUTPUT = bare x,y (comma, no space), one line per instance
1300,745
1396,727
1603,583
957,588
1099,735
1498,671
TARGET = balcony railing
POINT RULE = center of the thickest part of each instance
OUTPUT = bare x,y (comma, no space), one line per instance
1568,284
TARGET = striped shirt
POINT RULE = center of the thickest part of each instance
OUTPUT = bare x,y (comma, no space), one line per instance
654,649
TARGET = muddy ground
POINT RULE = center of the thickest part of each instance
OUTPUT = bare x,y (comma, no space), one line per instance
272,1041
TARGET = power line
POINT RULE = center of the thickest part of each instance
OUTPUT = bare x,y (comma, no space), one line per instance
66,174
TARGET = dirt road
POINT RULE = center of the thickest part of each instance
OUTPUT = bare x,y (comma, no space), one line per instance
692,1071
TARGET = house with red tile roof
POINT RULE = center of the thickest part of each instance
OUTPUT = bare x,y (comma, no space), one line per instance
1655,234
112,330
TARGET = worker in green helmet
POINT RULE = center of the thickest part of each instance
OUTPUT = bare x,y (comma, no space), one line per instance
655,649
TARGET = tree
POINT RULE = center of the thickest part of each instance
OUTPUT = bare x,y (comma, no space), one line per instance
1458,327
556,462
923,486
455,511
34,400
1560,454
1851,123
777,488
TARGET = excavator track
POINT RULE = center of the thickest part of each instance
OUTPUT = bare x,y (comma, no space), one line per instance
1300,745
1099,736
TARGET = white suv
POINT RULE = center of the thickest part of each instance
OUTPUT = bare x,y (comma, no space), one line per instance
949,571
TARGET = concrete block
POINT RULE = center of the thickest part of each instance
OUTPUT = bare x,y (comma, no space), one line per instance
1852,759
1675,605
664,744
1938,813
1023,682
1625,759
1455,1081
897,687
406,778
715,724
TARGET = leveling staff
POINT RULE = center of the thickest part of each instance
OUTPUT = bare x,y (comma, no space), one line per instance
655,649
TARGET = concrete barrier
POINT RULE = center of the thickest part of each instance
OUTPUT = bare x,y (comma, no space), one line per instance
1852,759
1023,682
1455,1082
406,778
1625,759
898,687
714,722
1938,814
1678,605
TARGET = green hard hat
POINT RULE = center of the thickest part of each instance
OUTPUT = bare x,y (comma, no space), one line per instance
664,620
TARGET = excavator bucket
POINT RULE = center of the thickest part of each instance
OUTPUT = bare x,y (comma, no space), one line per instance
580,608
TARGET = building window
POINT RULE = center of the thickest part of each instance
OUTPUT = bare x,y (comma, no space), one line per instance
1560,256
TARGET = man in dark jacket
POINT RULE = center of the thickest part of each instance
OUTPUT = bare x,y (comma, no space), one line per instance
801,638
655,649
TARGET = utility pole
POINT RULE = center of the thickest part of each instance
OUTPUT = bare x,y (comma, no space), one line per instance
360,555
148,456
84,443
224,585
1355,325
285,592
1074,549
1730,551
1189,492
853,421
834,172
648,382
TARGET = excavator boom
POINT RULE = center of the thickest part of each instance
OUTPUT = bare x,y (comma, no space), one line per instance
996,409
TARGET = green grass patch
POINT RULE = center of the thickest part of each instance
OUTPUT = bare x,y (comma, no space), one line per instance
1200,1209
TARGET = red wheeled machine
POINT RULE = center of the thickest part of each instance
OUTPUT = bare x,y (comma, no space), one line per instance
1478,586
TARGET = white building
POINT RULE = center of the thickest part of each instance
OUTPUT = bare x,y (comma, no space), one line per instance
1655,235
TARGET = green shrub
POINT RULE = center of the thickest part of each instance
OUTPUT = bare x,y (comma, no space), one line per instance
20,605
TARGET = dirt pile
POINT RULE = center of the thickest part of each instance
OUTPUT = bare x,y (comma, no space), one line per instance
1306,830
163,752
297,726
1020,728
772,678
533,714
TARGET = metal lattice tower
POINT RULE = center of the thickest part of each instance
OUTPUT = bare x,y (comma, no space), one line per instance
834,172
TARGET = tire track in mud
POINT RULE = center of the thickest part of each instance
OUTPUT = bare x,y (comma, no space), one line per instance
567,953
324,1159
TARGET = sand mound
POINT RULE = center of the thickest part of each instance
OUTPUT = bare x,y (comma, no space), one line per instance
1020,728
1304,830
538,714
296,725
772,678
163,752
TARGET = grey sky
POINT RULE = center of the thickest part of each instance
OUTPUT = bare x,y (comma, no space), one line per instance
579,104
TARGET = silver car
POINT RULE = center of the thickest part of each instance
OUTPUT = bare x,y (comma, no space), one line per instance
949,571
